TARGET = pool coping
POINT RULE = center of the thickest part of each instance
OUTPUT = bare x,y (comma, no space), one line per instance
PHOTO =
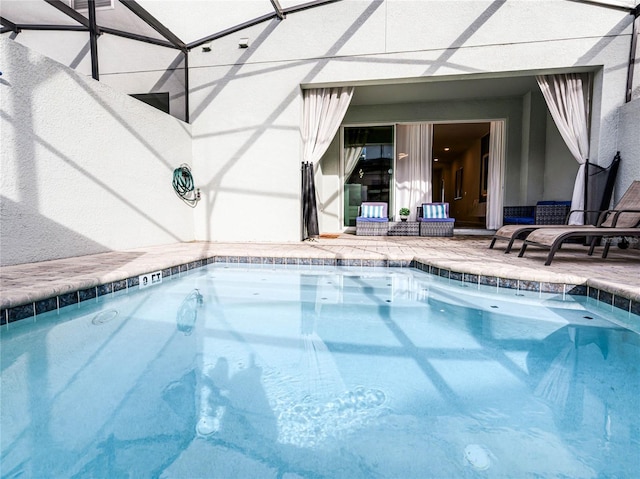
92,288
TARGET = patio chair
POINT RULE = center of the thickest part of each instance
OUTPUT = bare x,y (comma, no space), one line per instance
553,238
434,219
622,222
629,201
372,219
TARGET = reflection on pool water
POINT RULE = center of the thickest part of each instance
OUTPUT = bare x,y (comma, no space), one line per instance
249,371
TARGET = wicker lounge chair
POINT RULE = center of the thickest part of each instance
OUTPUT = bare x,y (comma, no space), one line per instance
372,219
434,219
629,201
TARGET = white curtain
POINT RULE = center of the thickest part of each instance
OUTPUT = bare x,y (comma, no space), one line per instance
351,156
323,111
568,98
413,166
495,175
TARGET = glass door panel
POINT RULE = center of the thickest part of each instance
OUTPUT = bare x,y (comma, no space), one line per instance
368,168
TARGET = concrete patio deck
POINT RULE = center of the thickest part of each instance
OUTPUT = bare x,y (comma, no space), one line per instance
615,280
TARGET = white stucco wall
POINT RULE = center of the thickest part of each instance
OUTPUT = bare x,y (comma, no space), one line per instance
131,66
85,168
629,147
246,103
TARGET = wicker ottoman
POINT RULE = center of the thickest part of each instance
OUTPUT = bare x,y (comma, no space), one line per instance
371,228
553,214
437,227
404,228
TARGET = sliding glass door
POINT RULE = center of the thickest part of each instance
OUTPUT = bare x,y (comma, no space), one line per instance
430,159
368,168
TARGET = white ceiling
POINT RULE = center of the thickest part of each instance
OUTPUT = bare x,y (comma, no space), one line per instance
428,91
457,137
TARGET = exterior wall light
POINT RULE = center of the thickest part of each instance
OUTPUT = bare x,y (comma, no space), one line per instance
243,43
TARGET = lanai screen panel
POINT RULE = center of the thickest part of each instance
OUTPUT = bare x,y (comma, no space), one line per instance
34,12
121,18
185,19
188,20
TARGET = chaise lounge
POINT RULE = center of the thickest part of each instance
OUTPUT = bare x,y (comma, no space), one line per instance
629,201
553,238
617,223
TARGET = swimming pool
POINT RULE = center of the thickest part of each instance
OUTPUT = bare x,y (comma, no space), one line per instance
254,371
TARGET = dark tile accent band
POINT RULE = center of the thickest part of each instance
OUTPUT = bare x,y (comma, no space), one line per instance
21,312
86,294
605,297
576,289
622,303
471,278
119,285
67,299
46,305
30,310
524,285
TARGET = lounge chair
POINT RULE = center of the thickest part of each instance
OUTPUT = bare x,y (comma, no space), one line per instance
553,238
372,219
629,201
511,233
619,223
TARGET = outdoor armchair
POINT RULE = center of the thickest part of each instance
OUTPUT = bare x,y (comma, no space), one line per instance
373,219
434,219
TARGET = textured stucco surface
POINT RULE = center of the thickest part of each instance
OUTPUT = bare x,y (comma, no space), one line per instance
629,146
85,169
246,104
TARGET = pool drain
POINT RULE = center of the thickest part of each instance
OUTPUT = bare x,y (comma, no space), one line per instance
477,456
104,316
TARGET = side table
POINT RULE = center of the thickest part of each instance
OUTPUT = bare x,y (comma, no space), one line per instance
404,228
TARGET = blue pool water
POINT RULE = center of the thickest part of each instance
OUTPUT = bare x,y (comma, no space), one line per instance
248,371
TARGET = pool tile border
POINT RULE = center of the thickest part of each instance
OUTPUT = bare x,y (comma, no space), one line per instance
32,309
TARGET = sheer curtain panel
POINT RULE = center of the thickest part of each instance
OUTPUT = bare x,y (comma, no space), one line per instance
495,175
568,99
322,112
413,166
